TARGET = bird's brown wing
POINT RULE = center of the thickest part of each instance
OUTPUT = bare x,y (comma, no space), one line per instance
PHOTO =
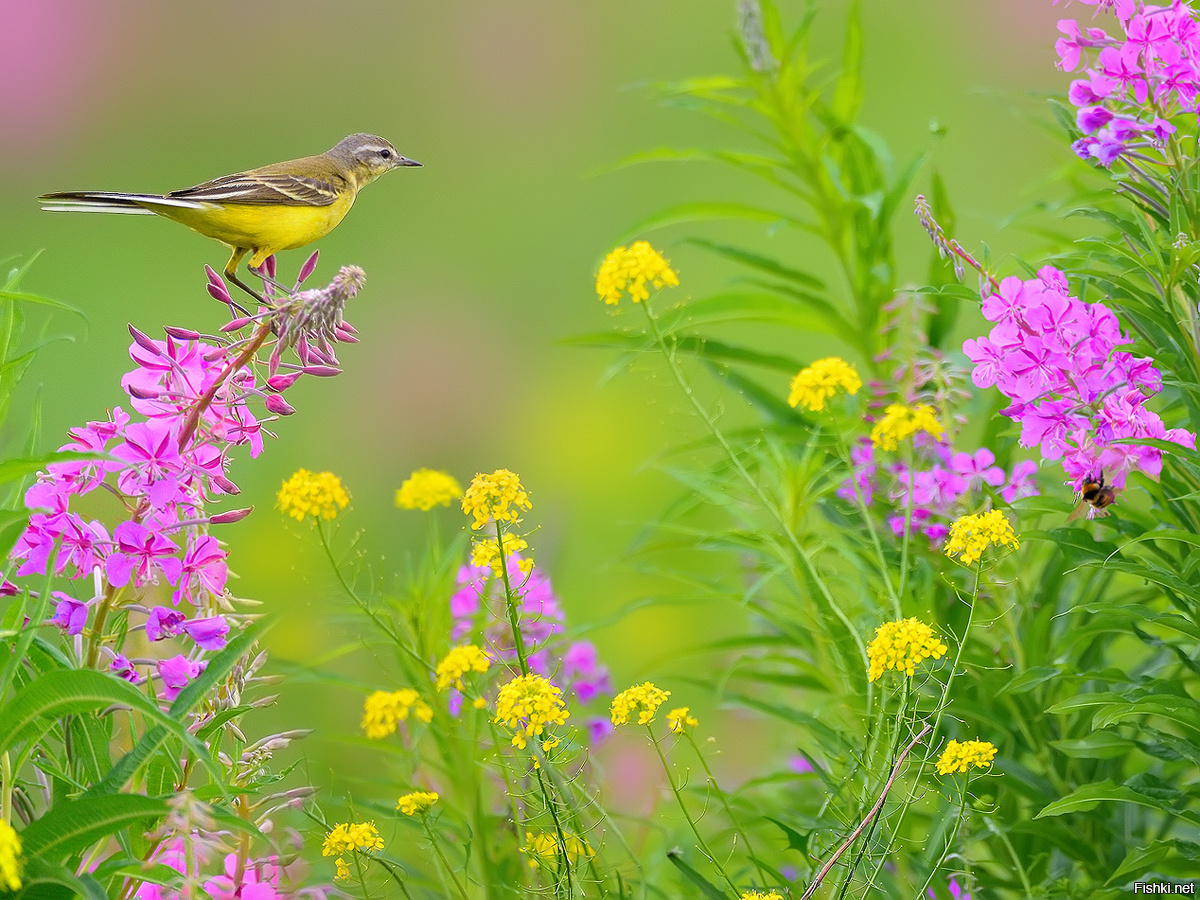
263,187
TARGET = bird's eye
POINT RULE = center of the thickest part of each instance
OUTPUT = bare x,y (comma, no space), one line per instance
386,154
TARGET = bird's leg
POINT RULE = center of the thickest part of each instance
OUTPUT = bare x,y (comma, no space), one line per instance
267,279
231,274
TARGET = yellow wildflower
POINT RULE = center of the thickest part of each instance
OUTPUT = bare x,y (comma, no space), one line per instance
971,535
901,645
628,269
679,721
343,870
458,662
813,386
384,711
759,895
958,757
498,496
546,845
427,488
900,421
351,836
645,696
316,494
527,704
418,802
487,553
10,858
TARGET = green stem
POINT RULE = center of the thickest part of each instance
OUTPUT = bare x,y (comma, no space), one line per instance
510,602
687,815
1000,833
6,788
768,504
950,838
937,721
737,828
437,848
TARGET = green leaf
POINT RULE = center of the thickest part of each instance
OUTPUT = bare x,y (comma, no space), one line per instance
1099,745
686,213
707,888
77,824
23,297
1143,861
12,469
796,840
218,667
43,881
848,95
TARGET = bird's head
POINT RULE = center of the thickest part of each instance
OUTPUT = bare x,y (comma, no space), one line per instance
367,156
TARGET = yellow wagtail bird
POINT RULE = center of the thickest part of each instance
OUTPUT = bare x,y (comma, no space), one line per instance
261,211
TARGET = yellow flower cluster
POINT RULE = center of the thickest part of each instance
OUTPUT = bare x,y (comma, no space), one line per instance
10,853
458,662
900,421
426,488
487,553
901,645
645,697
316,494
497,496
418,802
347,838
759,895
527,704
813,386
546,846
629,269
958,757
384,711
679,720
971,535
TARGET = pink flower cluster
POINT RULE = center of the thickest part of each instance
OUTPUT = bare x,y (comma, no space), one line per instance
939,486
1075,395
165,462
1138,79
477,608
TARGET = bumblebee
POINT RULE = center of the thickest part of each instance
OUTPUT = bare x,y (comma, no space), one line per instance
1094,498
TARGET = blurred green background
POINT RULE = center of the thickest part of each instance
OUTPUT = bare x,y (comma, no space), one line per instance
480,262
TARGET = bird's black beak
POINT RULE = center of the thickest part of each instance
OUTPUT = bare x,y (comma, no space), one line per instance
405,161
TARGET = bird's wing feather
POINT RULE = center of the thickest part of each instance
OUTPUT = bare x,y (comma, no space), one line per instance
263,187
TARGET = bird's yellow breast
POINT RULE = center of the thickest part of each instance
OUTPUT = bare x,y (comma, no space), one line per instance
261,228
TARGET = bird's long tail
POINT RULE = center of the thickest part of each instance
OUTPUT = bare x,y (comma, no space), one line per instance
107,201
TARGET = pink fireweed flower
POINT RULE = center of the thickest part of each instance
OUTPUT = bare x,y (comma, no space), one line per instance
69,614
254,880
1141,76
176,673
123,668
1076,396
208,633
140,555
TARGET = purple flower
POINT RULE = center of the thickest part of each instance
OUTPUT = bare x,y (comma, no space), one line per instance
598,728
583,671
209,633
69,614
175,673
800,764
204,567
123,668
1077,397
140,555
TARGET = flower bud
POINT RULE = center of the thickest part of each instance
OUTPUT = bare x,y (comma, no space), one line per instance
233,515
322,371
281,383
309,266
279,406
219,293
138,393
183,334
236,324
144,341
